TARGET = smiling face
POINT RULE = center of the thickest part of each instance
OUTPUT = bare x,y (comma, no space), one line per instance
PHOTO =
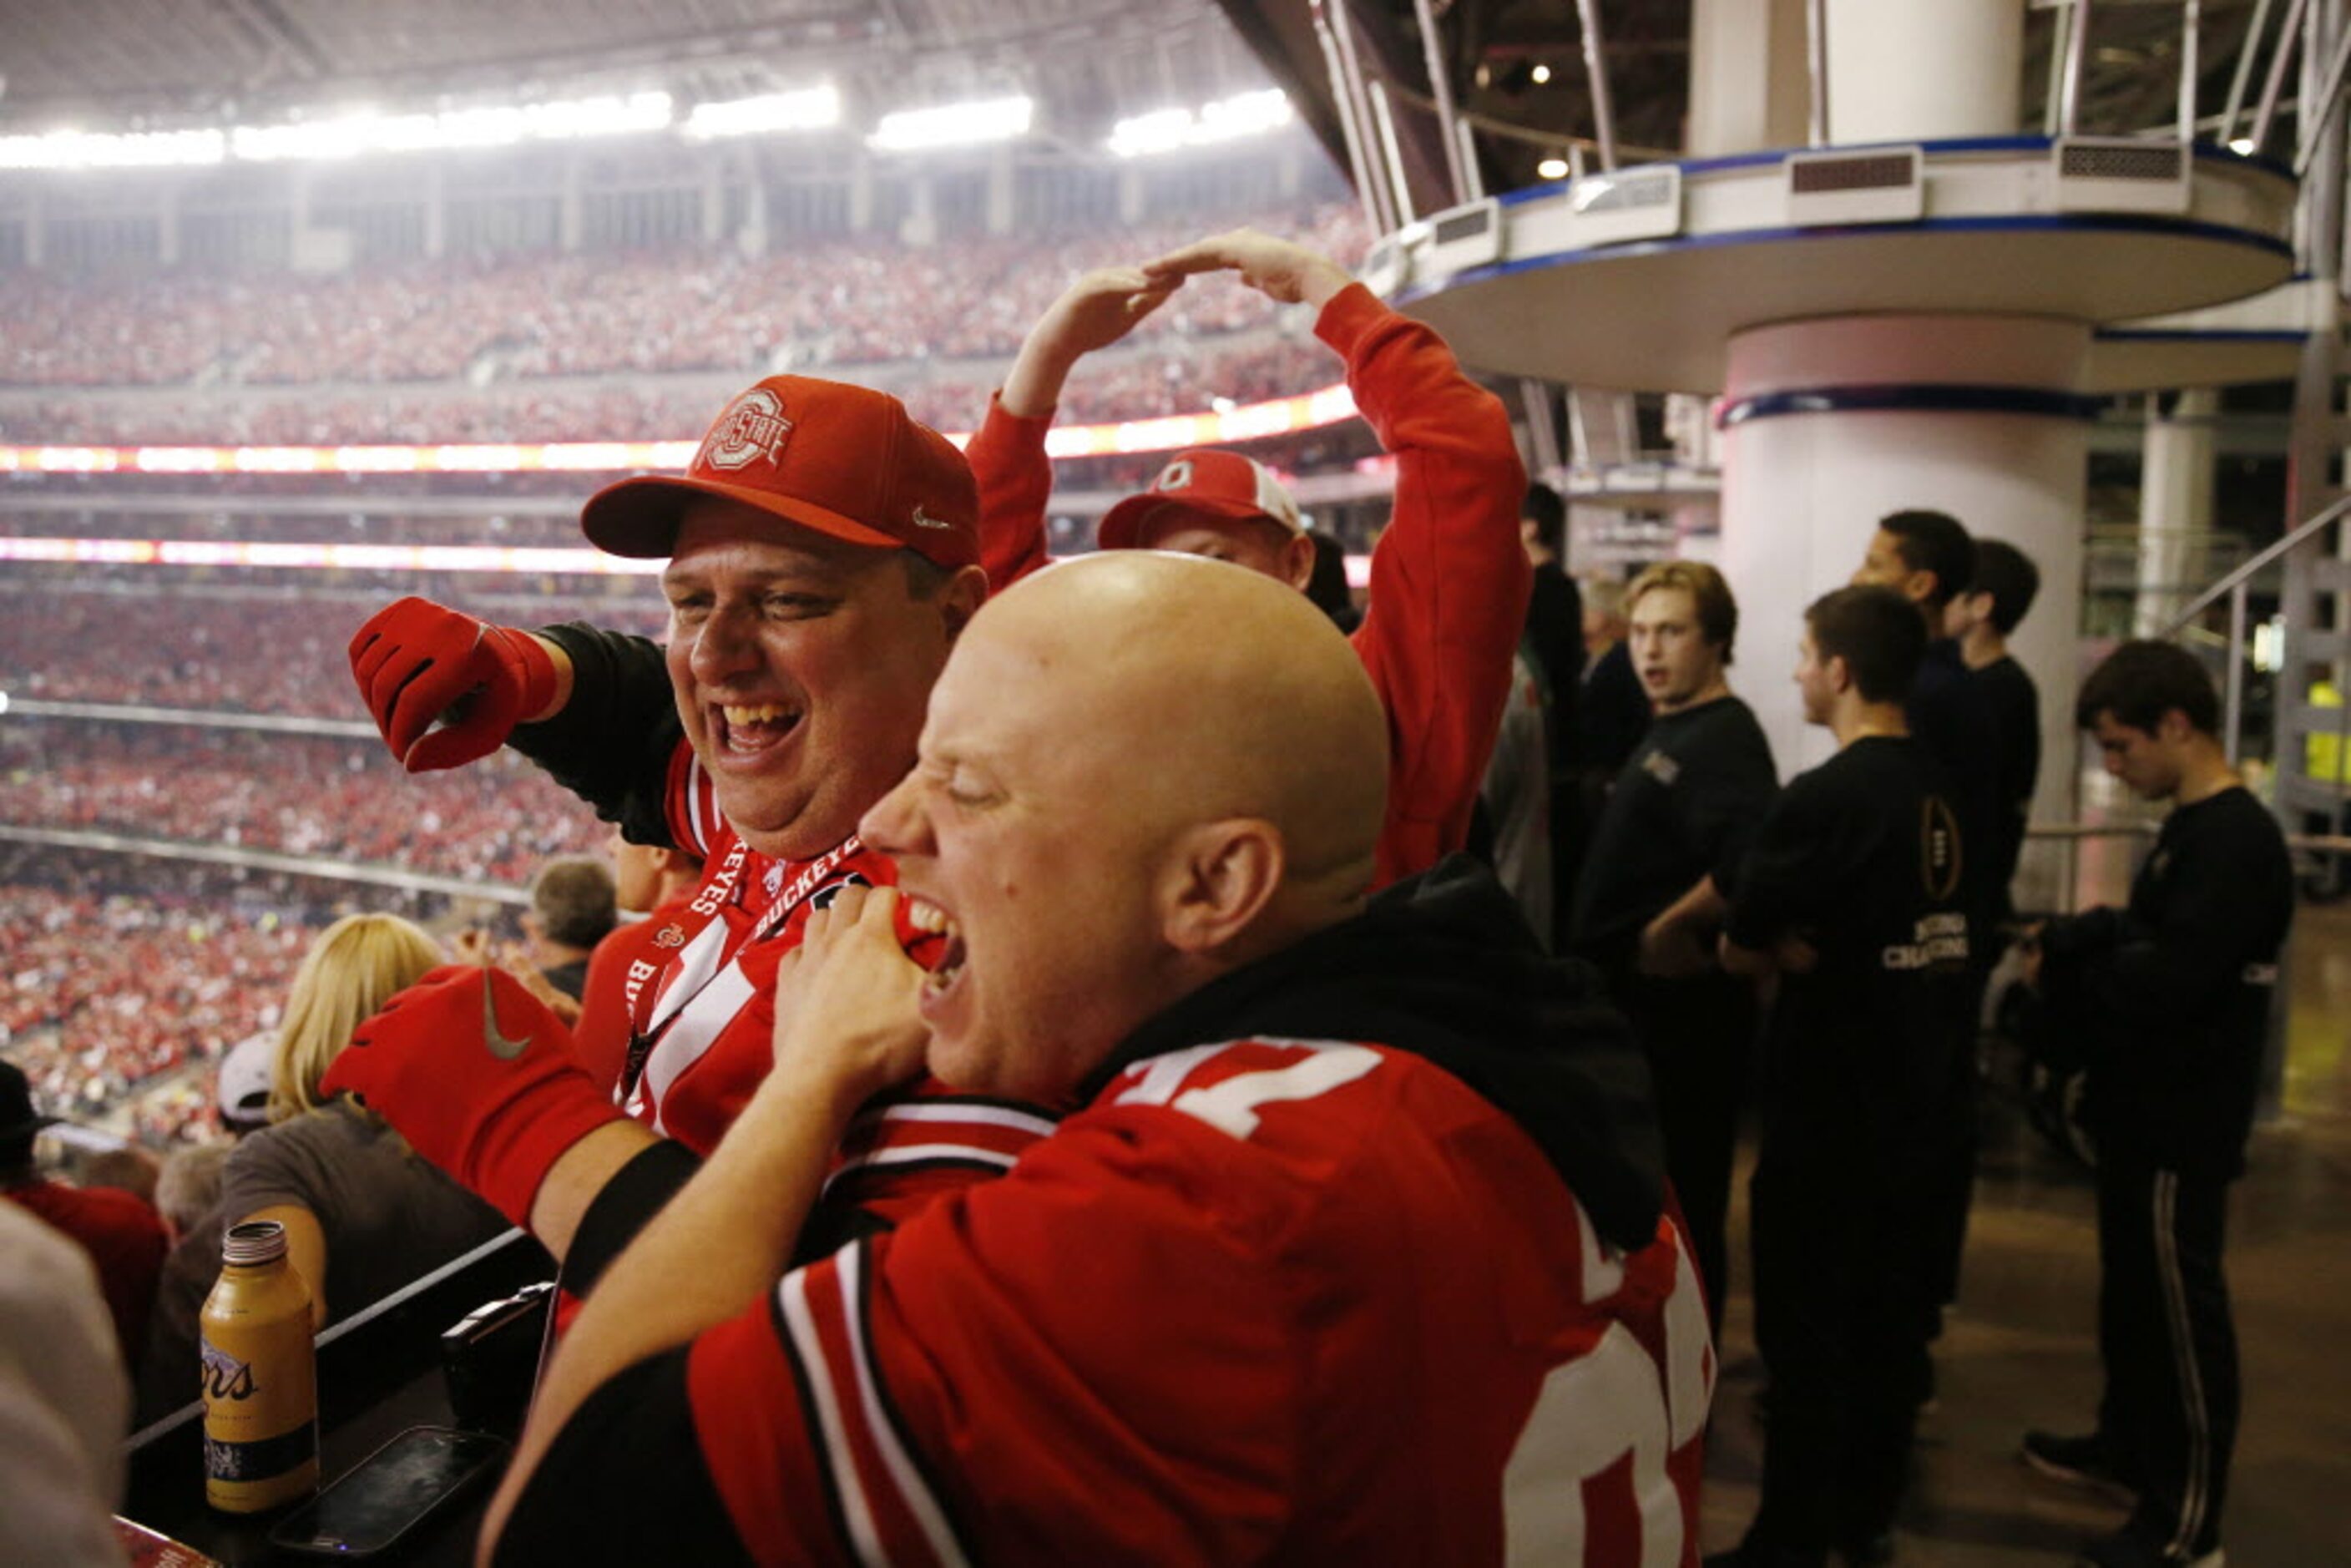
1677,665
800,666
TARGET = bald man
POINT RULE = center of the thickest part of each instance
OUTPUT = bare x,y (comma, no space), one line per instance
1353,1252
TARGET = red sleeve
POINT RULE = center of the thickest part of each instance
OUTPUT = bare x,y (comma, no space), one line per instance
1016,480
1449,580
975,1388
691,806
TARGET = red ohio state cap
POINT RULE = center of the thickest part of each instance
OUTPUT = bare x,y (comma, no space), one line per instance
1203,482
846,461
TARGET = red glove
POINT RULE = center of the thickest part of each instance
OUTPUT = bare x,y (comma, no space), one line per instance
478,1076
417,663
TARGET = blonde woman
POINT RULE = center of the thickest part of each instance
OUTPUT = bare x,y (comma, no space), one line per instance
363,1214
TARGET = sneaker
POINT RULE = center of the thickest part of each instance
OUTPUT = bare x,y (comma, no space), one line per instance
2130,1547
2086,1461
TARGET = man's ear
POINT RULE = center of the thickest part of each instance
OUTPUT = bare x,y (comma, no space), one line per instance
2172,727
1839,673
960,600
1298,561
1216,879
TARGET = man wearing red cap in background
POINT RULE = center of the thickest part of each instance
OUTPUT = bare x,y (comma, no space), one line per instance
821,559
1450,580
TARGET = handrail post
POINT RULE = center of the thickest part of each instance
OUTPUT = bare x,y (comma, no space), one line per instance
2076,46
1440,87
2235,708
2330,98
1333,28
1347,125
2242,76
1595,71
2289,37
2192,22
1816,64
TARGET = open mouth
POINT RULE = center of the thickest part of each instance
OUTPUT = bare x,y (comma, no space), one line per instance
924,916
751,731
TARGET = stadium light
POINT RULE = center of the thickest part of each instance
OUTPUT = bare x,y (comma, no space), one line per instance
811,108
1553,168
954,125
1226,120
351,134
111,149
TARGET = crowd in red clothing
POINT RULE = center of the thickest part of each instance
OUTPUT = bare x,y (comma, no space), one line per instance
107,991
300,795
243,654
862,301
1172,376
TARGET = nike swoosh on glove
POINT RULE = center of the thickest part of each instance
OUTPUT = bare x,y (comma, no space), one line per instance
479,1077
418,662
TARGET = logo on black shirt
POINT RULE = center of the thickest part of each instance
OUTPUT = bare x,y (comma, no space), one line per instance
1938,848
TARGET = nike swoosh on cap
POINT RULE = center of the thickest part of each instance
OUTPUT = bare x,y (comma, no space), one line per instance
924,520
504,1049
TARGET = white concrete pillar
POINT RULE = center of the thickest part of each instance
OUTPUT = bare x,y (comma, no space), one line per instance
2175,509
1909,70
1833,424
1002,183
751,239
860,197
437,213
1749,85
713,203
570,214
920,227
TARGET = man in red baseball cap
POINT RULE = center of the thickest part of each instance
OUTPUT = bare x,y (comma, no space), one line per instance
821,552
1449,581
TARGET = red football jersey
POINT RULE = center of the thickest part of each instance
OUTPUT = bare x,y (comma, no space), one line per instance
1284,1301
706,1018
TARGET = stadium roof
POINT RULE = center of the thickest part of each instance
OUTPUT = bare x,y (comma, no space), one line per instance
106,63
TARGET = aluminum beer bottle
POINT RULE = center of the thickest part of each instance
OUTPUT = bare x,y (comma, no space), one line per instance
260,1377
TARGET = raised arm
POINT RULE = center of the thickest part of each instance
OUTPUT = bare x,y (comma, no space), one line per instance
1008,454
1449,580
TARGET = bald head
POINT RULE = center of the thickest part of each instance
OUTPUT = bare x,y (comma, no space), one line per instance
1198,691
1139,772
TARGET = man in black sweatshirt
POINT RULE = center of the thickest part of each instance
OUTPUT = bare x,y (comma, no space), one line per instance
1657,879
1851,899
2170,999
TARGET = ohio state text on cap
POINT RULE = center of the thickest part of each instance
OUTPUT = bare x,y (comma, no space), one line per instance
1203,482
844,460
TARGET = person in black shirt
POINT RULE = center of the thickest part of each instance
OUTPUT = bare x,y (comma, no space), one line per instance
1552,644
2171,998
1851,898
1650,898
1928,557
1982,617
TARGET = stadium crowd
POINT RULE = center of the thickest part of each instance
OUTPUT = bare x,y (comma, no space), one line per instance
869,301
1170,376
108,992
245,655
296,795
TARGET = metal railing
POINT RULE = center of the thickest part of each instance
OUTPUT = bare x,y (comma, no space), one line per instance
2234,587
